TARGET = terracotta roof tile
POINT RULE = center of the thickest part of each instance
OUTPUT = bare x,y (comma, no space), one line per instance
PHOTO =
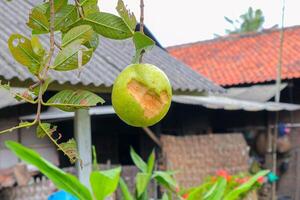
243,59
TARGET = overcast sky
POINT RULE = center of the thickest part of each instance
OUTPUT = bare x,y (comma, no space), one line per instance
176,22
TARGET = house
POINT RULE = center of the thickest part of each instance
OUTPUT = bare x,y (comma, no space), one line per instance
246,64
111,137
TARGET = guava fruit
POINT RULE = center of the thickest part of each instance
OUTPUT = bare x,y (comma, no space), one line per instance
141,95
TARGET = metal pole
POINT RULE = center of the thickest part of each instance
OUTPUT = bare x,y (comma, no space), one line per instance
83,136
277,99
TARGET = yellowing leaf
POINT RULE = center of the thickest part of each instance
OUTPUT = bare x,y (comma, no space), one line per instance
21,49
37,47
38,21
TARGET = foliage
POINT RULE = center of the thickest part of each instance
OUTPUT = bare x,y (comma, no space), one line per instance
79,23
251,21
103,183
225,187
144,176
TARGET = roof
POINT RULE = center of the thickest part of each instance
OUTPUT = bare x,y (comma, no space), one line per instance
244,59
109,59
227,103
7,100
262,93
198,156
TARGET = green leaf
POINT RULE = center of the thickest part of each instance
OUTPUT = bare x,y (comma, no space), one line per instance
95,160
38,21
151,162
165,179
142,44
234,194
197,192
104,183
138,161
61,179
69,100
165,197
66,17
89,6
83,33
21,49
125,191
217,191
37,47
109,25
126,15
142,181
73,56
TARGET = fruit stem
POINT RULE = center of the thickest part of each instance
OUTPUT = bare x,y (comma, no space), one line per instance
142,17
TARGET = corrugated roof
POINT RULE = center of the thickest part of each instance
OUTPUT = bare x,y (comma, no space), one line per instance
258,93
109,59
6,99
226,103
244,59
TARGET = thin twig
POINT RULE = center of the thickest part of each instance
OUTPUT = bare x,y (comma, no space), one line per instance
152,135
142,18
34,85
48,63
79,8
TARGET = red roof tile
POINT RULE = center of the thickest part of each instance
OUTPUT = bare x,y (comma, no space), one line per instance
243,59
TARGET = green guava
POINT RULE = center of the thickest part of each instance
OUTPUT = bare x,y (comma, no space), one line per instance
141,95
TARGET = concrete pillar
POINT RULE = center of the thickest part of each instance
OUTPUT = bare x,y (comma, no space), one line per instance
83,136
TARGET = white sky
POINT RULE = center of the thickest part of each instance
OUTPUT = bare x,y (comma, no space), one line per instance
176,22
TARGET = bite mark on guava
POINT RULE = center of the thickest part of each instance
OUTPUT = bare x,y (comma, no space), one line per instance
151,102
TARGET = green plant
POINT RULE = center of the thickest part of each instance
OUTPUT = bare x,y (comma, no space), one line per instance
144,176
79,22
251,21
225,187
103,183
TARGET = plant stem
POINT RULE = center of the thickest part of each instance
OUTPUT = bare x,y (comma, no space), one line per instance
142,17
48,63
79,8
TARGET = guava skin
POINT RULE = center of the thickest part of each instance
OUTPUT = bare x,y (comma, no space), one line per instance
150,79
